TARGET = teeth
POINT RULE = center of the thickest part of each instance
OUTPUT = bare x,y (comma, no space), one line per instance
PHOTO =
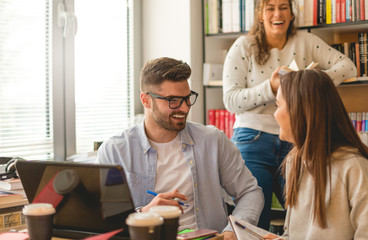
278,22
178,116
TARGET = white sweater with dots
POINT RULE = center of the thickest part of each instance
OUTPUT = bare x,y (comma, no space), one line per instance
247,89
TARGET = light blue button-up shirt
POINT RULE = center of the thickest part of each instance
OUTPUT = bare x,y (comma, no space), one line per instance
213,160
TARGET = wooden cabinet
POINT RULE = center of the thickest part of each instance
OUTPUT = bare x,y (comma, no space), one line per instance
11,216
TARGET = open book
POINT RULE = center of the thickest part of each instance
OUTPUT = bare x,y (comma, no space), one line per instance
246,231
294,67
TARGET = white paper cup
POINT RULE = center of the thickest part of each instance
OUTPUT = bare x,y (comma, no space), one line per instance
171,215
39,218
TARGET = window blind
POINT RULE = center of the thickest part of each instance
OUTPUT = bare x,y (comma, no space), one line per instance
26,124
103,105
102,89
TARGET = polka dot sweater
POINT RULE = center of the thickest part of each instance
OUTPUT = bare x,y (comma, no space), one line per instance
247,89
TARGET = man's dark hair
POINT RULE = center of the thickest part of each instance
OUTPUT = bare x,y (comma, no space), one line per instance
154,72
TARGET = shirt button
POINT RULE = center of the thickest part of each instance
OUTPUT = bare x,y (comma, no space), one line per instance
197,209
191,162
183,145
195,184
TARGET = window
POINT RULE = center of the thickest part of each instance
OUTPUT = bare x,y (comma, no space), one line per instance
59,92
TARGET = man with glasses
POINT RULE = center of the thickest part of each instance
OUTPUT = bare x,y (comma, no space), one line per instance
181,161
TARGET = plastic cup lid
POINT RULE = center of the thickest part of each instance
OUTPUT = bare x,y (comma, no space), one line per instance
37,209
166,211
66,181
146,219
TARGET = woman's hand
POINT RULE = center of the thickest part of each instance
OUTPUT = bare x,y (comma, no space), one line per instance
229,235
166,199
275,80
271,236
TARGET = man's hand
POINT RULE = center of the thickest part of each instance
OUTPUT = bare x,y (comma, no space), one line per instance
166,199
229,235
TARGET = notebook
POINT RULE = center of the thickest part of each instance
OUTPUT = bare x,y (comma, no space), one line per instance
101,206
246,231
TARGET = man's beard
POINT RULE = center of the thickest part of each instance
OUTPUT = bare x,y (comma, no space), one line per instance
165,122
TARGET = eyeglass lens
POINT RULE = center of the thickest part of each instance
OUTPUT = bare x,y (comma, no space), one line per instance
177,102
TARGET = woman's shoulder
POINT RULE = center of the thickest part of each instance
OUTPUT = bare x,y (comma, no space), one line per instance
349,157
305,36
243,45
302,33
245,41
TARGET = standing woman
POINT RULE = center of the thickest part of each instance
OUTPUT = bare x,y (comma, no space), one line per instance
251,81
327,170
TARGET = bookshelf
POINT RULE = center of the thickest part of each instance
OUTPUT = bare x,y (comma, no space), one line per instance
215,47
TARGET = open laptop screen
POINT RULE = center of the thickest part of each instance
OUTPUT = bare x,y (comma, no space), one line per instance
99,204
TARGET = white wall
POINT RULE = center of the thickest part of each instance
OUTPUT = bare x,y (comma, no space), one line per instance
173,28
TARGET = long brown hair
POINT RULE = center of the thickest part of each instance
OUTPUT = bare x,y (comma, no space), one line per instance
320,125
258,31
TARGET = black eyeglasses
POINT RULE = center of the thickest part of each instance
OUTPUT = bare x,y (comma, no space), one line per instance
176,102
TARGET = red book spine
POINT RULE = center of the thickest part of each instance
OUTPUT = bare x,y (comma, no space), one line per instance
222,120
343,11
211,117
359,122
227,118
231,124
338,11
217,118
315,14
362,10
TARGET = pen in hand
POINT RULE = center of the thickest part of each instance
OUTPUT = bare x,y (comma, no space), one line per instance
155,194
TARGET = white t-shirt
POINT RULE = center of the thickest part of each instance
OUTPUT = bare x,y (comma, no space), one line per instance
173,173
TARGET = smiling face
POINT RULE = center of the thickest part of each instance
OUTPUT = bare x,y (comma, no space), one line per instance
276,18
283,118
159,118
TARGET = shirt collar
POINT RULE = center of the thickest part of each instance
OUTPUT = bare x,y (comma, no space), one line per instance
185,136
143,137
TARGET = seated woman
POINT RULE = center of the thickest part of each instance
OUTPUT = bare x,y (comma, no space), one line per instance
327,170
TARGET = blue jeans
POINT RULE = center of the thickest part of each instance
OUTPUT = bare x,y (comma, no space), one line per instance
263,154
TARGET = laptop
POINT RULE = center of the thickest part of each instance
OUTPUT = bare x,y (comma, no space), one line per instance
101,206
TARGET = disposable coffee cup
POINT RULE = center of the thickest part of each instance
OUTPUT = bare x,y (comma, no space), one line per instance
145,225
39,218
171,215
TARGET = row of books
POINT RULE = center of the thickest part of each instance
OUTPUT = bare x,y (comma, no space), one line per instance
223,16
357,52
222,119
340,11
331,11
359,120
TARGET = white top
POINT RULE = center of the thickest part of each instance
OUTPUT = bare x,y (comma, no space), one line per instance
247,89
172,168
346,202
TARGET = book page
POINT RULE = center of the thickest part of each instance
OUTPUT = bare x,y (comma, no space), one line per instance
243,234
